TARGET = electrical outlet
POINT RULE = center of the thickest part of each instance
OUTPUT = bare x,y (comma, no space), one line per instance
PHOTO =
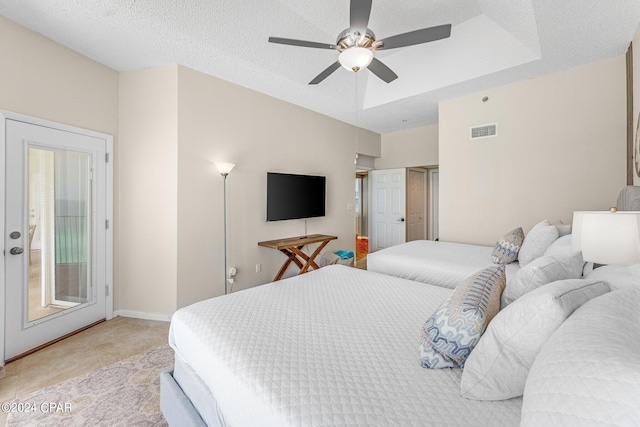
258,268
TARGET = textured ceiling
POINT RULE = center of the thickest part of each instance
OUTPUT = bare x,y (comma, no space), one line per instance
492,43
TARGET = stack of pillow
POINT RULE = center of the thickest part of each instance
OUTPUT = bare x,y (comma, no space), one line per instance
494,328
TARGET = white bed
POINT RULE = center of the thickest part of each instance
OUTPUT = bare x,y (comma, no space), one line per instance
337,346
439,263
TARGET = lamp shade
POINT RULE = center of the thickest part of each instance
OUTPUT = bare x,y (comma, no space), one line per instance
606,237
225,168
355,58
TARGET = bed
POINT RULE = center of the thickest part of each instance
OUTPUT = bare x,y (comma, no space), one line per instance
337,346
443,264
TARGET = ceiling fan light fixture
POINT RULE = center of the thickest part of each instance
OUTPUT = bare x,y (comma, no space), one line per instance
355,58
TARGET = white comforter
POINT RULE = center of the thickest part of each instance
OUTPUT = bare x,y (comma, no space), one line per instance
438,263
337,346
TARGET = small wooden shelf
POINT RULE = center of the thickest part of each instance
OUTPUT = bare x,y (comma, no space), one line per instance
292,246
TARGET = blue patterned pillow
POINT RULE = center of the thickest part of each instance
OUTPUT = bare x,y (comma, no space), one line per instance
507,248
449,335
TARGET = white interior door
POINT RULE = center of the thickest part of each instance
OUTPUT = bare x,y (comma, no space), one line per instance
388,208
416,204
55,196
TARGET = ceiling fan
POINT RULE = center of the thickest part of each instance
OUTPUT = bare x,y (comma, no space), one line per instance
357,43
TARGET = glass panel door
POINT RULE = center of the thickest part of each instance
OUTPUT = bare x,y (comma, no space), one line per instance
59,197
55,234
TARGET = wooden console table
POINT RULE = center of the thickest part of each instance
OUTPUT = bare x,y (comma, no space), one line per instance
292,246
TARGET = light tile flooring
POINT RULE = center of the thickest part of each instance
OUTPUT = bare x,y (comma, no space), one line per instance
361,264
101,345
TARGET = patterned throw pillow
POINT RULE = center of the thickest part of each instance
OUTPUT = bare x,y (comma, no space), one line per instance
450,334
507,248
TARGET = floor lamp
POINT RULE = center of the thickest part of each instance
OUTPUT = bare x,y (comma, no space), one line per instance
224,169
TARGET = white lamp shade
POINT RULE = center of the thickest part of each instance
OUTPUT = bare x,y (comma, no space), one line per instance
355,58
607,237
225,168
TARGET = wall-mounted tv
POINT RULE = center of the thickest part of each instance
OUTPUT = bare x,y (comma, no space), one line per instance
292,196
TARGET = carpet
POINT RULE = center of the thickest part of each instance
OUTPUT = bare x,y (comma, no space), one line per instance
125,393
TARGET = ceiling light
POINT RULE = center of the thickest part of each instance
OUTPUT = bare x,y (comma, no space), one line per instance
355,58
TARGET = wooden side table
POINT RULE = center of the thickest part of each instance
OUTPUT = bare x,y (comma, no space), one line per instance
292,246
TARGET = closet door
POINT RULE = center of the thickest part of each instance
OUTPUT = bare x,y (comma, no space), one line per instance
388,208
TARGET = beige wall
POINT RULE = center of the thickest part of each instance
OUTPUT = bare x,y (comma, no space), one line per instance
44,79
636,91
409,148
367,142
220,121
561,147
174,124
148,161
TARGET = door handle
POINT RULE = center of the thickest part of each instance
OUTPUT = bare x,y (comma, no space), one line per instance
16,251
401,220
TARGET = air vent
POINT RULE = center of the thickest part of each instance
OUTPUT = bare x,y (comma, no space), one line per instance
484,131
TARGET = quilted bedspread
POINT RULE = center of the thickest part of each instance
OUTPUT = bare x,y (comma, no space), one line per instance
438,263
337,346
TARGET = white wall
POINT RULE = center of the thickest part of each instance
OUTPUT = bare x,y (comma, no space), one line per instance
636,93
561,147
220,121
409,148
148,161
174,124
367,142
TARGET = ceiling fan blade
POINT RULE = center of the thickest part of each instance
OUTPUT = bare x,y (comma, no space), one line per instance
359,14
302,43
326,73
382,71
416,37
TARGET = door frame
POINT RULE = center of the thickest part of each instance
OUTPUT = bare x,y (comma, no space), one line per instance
433,202
8,115
425,194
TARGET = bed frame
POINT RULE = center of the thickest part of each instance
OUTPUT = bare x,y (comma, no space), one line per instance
176,406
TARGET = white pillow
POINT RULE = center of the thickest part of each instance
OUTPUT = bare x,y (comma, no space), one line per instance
563,229
618,276
588,372
561,248
498,366
537,241
540,272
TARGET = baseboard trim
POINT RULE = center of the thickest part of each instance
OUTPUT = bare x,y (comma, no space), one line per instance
142,315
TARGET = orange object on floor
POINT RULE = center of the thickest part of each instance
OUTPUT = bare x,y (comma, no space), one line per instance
362,247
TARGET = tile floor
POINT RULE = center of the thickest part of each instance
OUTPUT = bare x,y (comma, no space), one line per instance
79,354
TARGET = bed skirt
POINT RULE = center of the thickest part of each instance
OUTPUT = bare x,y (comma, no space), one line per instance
175,405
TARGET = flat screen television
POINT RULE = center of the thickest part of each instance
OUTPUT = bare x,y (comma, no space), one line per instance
292,196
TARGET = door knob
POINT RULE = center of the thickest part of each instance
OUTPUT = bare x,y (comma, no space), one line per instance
16,251
401,220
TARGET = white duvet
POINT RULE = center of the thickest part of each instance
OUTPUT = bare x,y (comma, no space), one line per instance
438,263
337,346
